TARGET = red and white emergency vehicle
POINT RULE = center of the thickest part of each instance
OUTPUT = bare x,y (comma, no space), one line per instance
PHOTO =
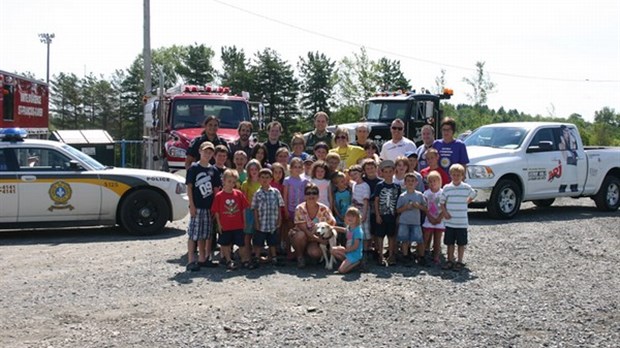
174,118
24,103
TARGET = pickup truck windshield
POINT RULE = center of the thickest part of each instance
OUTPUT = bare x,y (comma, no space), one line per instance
191,113
499,137
386,110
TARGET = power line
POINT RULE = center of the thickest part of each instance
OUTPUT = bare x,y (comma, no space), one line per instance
404,56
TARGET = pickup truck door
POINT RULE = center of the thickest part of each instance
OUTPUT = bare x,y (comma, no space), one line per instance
49,190
543,165
573,159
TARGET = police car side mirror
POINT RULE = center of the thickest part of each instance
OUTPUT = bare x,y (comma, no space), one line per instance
75,166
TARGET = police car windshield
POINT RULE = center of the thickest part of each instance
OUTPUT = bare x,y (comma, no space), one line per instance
499,137
191,113
386,110
84,158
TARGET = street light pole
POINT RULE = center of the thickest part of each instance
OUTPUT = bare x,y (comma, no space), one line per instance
47,39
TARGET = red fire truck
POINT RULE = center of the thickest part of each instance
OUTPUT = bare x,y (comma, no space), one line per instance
174,118
24,104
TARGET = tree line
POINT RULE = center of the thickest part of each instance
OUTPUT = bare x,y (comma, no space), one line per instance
292,94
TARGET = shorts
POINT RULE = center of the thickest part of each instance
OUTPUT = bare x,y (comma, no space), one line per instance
387,228
249,221
200,226
228,238
409,233
259,239
452,235
352,257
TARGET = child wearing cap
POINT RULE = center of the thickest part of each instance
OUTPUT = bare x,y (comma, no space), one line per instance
203,182
385,198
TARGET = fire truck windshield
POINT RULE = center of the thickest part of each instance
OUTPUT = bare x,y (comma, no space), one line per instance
379,110
191,113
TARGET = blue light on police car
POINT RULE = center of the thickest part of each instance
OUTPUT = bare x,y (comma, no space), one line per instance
13,134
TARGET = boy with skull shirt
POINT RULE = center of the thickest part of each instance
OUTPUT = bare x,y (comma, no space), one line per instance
385,197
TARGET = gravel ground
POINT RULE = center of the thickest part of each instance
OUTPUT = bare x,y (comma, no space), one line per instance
546,278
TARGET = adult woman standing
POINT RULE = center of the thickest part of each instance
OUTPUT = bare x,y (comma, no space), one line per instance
307,215
211,126
349,154
450,150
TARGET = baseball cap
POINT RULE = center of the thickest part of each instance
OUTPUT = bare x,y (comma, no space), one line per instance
410,154
207,145
386,164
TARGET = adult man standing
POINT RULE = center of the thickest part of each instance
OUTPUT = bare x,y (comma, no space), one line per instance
320,133
428,137
211,126
273,143
398,145
362,132
243,143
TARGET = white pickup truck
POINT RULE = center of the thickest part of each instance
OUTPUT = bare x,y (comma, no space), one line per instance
538,161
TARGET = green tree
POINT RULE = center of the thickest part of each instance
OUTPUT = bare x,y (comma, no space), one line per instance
358,79
481,85
389,75
317,74
276,85
235,73
606,128
440,81
195,66
66,102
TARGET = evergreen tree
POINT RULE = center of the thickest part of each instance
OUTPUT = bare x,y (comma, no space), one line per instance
195,66
317,82
389,76
235,73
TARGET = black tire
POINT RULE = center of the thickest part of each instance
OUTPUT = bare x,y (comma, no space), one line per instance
143,212
608,196
505,200
543,203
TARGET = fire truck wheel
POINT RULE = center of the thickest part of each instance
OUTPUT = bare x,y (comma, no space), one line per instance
143,212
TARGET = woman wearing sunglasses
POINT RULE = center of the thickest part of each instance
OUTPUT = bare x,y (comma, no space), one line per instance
307,215
349,154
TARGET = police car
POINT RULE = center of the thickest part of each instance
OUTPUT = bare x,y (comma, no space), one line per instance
50,184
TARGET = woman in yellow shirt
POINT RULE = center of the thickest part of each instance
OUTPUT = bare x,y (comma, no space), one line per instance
349,154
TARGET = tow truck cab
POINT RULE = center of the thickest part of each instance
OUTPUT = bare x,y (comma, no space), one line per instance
415,109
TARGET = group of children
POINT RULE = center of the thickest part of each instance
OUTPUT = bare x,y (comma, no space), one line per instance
253,205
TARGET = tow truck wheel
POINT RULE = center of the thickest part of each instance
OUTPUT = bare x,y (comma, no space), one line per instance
143,212
608,196
505,200
543,203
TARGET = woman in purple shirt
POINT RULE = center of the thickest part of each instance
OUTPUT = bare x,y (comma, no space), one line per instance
450,150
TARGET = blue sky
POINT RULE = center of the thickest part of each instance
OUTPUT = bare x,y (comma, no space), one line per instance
546,57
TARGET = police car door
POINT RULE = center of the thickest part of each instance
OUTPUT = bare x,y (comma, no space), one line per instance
49,190
8,187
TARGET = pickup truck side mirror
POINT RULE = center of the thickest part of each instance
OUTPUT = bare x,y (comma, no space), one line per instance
542,146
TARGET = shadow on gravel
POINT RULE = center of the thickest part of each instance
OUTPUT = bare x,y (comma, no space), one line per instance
548,214
79,236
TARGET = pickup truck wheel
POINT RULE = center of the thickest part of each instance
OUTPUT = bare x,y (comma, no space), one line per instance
143,212
505,200
608,196
543,203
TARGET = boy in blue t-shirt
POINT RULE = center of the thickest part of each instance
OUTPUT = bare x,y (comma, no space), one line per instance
342,200
409,205
385,197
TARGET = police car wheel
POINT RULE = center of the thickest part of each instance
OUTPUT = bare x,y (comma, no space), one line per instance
143,212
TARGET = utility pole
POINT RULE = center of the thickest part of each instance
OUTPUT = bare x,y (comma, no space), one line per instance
47,39
147,48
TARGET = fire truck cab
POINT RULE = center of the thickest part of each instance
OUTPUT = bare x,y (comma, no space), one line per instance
174,118
24,104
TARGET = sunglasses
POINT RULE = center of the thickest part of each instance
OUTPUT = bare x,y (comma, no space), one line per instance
341,137
312,193
397,128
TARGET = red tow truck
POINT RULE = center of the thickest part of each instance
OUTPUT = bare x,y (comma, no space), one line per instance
24,103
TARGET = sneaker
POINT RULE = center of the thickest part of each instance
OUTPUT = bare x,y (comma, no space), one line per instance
301,262
192,267
391,261
276,262
208,264
231,265
422,261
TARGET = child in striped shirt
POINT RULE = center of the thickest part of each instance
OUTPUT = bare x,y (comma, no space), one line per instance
454,200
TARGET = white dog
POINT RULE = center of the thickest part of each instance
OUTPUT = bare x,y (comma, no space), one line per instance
324,231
